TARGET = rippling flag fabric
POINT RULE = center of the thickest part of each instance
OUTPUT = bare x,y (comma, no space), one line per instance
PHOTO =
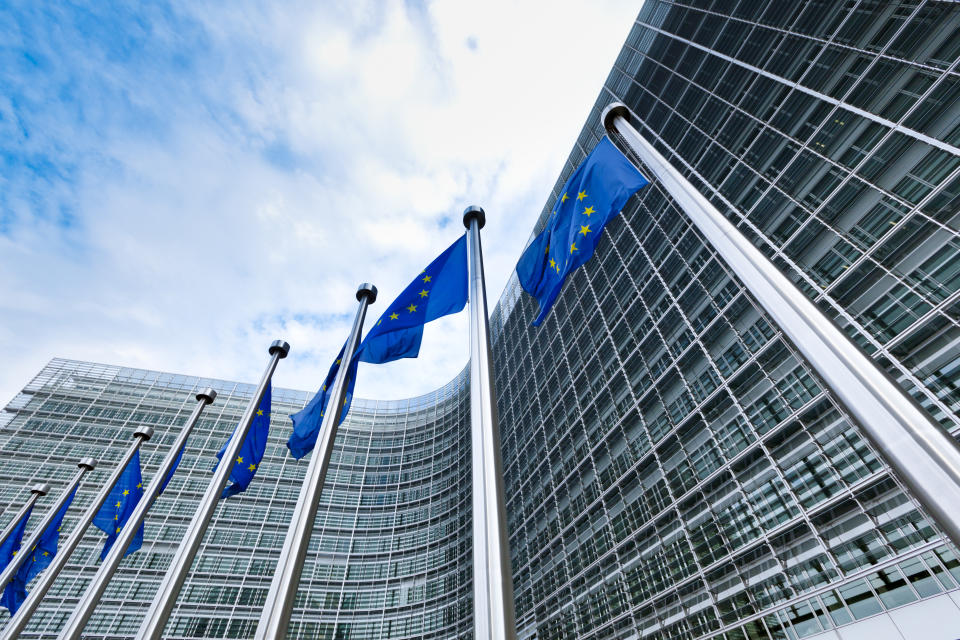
9,547
307,421
591,197
439,290
251,451
40,558
121,502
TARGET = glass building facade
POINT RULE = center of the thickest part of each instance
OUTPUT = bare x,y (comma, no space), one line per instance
390,554
674,468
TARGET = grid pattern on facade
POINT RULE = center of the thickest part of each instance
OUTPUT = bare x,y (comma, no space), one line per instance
674,468
389,554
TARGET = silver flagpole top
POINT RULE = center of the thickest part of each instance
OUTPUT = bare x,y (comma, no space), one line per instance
279,346
87,463
208,395
614,110
367,290
472,212
41,488
143,432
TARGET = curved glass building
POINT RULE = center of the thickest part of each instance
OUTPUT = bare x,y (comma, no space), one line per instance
674,467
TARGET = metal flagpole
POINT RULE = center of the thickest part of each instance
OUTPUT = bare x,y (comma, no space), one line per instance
162,605
29,606
85,464
493,610
91,597
286,577
922,453
36,492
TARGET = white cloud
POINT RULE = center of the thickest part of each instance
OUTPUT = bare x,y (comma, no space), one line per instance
240,191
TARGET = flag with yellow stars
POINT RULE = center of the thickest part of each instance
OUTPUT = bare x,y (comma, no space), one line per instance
439,290
591,197
39,559
9,547
307,421
121,502
251,451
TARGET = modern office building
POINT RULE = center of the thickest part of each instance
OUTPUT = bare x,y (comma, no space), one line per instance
674,468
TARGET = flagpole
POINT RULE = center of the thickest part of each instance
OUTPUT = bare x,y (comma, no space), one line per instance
17,623
166,597
286,577
923,455
493,608
37,491
91,597
85,464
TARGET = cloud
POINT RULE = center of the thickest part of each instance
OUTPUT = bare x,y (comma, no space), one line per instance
181,183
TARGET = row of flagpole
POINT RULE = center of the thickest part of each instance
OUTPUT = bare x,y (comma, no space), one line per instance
920,452
494,617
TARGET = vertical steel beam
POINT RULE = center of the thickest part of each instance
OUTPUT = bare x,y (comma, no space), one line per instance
494,617
91,597
166,597
922,454
275,617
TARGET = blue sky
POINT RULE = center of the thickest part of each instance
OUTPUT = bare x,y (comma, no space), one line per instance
183,182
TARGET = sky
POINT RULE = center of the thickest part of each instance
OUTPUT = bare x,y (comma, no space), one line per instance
181,183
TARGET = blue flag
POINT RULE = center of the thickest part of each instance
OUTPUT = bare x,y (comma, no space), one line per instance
121,502
173,469
11,544
307,421
593,195
40,558
252,450
439,290
9,547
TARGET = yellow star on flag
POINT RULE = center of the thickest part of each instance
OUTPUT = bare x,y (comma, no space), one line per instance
239,458
126,492
564,198
553,263
412,308
259,412
584,230
252,467
573,247
423,293
588,211
426,278
581,196
394,316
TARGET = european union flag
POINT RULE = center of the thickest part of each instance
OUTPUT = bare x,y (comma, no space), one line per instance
9,548
11,544
593,195
173,469
121,502
307,421
439,290
40,558
252,450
